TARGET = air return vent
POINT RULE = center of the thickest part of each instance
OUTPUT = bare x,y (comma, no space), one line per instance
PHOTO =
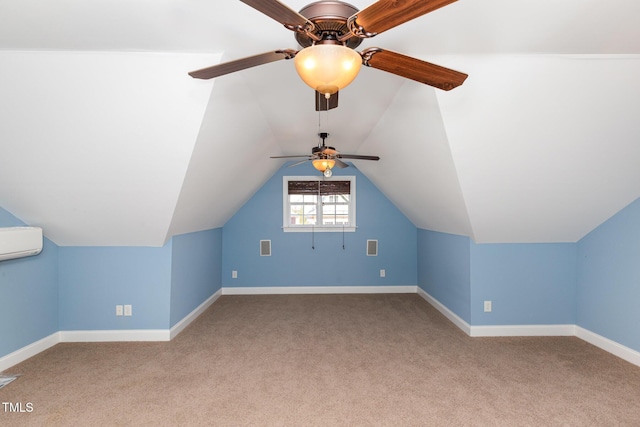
372,248
265,247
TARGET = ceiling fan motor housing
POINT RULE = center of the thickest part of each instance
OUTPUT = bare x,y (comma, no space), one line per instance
320,151
329,31
330,20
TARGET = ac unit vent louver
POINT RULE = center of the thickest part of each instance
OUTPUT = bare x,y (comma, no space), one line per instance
18,242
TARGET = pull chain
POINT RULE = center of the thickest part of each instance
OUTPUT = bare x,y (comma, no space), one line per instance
319,122
327,96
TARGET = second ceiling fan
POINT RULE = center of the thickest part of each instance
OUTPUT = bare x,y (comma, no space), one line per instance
324,158
329,32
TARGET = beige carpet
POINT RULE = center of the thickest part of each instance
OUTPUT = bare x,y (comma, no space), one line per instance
326,360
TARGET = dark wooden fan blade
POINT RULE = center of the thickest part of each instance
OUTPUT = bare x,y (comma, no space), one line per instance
323,105
289,157
385,14
341,164
298,163
412,68
357,157
241,64
280,12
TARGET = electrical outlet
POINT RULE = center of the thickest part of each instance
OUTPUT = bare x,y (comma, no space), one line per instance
234,274
487,306
128,310
383,273
119,311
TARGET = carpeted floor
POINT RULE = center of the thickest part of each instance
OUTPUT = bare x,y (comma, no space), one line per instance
326,360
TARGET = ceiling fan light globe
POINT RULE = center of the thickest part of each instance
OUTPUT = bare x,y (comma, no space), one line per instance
323,164
327,68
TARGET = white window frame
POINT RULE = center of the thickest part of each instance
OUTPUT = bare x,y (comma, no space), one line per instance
287,227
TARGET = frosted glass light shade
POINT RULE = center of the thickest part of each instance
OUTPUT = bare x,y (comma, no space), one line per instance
327,68
323,164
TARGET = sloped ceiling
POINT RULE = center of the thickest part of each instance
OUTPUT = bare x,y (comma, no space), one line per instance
105,139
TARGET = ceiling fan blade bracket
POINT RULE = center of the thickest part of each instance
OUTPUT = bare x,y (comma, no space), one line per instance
308,29
357,30
367,54
288,53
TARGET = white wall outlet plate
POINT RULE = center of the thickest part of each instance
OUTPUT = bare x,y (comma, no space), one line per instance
487,307
128,310
119,310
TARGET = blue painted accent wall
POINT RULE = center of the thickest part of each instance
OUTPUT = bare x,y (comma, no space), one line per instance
444,270
608,295
293,261
196,271
594,283
28,295
93,280
528,283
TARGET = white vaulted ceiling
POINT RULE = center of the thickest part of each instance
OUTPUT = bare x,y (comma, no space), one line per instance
105,139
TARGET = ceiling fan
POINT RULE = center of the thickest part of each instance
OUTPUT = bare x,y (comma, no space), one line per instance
324,158
329,32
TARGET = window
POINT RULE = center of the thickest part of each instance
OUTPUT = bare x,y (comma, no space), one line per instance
310,204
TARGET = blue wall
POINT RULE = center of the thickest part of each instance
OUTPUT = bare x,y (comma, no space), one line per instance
94,279
293,261
594,283
527,283
608,296
77,288
195,273
162,284
444,270
28,295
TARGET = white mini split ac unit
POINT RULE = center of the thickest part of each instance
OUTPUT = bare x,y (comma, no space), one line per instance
18,242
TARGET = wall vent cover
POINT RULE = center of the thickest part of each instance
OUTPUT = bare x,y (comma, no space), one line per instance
372,248
265,247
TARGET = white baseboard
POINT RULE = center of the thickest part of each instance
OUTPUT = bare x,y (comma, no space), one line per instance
499,330
127,335
454,318
608,345
178,327
523,331
605,344
115,335
28,351
139,334
290,290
